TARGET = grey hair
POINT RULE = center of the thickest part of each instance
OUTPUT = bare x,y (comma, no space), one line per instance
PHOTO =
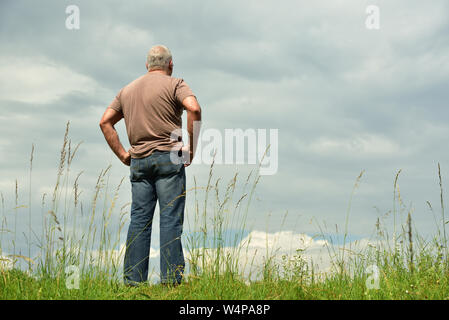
158,57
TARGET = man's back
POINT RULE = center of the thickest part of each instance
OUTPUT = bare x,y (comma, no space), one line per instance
152,108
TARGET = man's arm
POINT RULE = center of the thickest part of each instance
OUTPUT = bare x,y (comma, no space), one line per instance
193,123
107,122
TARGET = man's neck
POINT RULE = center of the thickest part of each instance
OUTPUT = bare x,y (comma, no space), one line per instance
164,72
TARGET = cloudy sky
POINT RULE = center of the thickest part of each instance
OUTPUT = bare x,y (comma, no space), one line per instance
343,98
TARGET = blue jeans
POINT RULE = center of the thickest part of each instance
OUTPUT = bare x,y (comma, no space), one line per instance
155,178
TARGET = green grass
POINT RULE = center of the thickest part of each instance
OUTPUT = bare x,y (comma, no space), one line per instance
409,267
15,284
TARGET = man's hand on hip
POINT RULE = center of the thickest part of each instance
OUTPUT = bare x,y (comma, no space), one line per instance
187,155
126,158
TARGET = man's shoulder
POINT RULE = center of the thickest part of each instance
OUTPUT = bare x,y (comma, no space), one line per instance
156,81
179,82
135,82
163,80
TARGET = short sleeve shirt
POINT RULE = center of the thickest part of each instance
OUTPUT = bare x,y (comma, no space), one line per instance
152,108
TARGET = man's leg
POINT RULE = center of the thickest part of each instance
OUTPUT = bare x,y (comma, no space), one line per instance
139,233
170,186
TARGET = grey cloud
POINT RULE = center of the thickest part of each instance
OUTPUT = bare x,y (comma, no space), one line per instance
311,70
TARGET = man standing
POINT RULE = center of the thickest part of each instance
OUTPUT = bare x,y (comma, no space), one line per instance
152,106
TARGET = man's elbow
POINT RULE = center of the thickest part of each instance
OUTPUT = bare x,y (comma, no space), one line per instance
196,110
103,124
192,106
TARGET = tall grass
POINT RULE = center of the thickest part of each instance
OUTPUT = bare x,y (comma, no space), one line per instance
221,263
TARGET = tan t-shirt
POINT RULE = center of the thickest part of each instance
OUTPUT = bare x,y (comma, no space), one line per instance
152,108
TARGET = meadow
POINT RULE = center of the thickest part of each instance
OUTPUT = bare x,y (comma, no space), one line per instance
79,250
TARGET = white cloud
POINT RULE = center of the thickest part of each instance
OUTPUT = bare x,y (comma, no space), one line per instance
253,251
38,80
365,144
118,36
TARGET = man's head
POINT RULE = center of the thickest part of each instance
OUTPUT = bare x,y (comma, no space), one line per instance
159,58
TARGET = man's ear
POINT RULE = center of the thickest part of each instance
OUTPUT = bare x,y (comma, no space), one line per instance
146,65
170,64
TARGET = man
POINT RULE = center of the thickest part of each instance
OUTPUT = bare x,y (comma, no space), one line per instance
152,106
